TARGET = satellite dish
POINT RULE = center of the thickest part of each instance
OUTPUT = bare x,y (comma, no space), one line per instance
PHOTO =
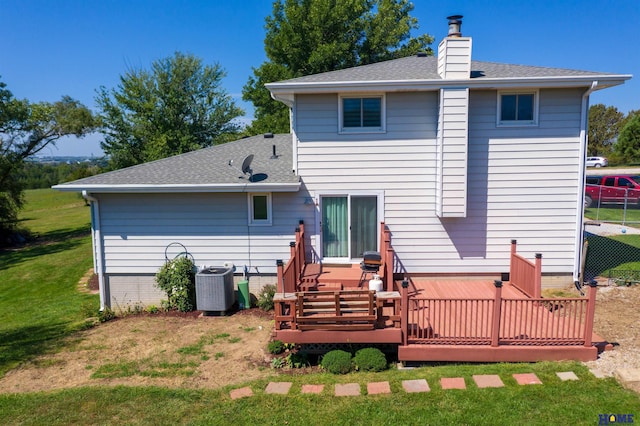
246,164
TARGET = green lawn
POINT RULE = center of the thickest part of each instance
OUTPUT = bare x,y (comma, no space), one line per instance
614,213
40,304
39,301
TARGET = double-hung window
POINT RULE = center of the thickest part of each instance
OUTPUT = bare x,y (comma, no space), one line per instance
517,108
362,114
259,209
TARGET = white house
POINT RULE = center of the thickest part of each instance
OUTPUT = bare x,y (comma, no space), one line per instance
456,156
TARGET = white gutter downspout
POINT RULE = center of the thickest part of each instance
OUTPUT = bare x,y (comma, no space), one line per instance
584,122
97,244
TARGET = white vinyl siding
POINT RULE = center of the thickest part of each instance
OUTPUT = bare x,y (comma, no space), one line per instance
137,228
451,175
522,182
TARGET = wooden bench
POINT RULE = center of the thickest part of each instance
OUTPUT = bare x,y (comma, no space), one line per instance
347,310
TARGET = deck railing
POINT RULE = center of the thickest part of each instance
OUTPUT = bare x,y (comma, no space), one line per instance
498,321
289,275
386,254
524,274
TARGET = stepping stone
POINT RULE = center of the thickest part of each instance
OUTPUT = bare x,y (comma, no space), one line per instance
452,383
348,389
281,388
312,388
488,381
376,388
527,379
413,386
241,393
629,377
567,375
599,374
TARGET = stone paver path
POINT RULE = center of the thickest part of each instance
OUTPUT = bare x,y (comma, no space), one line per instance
488,381
377,388
416,385
452,383
419,385
347,389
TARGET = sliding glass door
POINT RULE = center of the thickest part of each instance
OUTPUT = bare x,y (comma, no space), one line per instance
349,225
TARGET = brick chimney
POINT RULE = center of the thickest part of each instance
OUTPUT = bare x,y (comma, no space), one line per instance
454,52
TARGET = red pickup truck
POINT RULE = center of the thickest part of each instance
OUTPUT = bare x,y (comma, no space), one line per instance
614,189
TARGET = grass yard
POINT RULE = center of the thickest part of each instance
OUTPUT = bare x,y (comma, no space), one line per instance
614,213
553,402
39,301
40,305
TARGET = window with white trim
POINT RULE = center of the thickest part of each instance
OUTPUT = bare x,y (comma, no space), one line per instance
260,209
360,114
517,108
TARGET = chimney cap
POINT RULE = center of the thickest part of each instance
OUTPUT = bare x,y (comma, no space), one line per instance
455,23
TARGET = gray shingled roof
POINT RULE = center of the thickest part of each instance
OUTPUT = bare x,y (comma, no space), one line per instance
425,68
208,166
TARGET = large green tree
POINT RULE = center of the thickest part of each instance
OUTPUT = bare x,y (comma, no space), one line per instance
628,144
25,129
312,36
177,106
605,123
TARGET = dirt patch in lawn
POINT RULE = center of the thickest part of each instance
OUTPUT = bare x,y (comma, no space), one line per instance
617,319
191,351
185,351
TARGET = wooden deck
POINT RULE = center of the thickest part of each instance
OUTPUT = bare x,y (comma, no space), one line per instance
432,319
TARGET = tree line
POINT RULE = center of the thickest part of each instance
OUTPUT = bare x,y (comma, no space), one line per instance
614,135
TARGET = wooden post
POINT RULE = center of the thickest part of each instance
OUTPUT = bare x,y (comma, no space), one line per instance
511,262
495,327
537,286
404,310
280,283
302,250
591,309
292,249
388,272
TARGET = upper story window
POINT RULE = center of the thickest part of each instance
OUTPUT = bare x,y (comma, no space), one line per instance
519,109
259,209
362,114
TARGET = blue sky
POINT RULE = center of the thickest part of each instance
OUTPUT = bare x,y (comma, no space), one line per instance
63,47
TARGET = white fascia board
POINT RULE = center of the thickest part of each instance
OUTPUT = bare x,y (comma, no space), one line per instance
281,91
256,187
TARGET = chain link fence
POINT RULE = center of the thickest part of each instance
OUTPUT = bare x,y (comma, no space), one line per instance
612,244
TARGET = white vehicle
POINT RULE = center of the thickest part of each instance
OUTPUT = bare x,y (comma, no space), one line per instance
597,162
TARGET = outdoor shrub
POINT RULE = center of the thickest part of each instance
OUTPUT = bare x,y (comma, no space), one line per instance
177,278
106,314
152,309
275,347
297,360
370,359
337,362
265,297
277,363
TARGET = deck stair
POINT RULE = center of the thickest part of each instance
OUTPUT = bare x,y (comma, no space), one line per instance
347,310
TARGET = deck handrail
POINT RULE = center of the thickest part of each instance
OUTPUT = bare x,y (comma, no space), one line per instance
387,255
289,275
525,275
498,321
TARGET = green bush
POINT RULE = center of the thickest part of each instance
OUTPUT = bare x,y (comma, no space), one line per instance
337,362
265,297
177,279
276,347
297,360
370,359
